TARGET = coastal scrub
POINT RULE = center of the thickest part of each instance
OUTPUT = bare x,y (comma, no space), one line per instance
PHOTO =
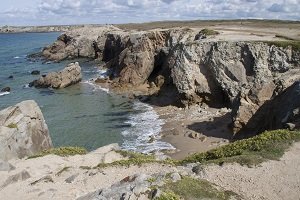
61,151
190,188
269,145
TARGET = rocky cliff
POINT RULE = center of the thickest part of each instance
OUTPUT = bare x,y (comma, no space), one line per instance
201,68
23,131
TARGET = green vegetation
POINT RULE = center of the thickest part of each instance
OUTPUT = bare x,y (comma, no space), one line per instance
168,196
189,188
62,170
295,44
209,32
134,159
252,151
283,37
61,151
12,125
85,167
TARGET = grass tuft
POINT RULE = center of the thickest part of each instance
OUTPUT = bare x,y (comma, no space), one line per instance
12,125
295,44
135,159
269,145
190,188
208,32
61,151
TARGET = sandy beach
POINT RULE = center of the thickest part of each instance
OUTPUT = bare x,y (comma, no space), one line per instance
195,129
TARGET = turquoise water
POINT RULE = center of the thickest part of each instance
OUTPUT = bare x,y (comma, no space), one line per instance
82,114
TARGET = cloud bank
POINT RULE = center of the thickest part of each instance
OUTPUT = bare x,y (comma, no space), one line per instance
123,11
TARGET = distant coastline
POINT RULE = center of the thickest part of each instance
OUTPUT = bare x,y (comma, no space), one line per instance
41,29
150,25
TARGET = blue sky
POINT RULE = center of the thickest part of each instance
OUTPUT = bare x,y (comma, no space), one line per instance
50,12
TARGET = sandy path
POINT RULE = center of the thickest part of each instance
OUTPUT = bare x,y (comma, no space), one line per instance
272,180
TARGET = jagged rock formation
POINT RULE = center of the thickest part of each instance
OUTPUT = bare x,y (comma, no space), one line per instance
78,43
280,112
70,75
23,131
237,74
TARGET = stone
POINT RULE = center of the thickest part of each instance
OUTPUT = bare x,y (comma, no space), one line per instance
24,175
35,72
175,177
70,75
199,170
71,178
6,89
194,135
290,126
23,131
6,166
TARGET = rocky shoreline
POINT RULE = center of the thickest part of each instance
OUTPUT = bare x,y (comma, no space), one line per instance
219,68
210,86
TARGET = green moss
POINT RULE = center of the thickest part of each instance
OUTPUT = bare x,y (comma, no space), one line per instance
190,188
62,170
12,125
252,151
61,151
135,159
295,44
168,196
209,32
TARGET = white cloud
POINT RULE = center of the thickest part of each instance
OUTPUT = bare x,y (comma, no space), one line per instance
122,11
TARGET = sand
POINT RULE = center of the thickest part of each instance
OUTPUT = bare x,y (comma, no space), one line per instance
274,180
210,124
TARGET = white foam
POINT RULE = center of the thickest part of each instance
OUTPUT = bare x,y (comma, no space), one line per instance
96,87
4,93
144,126
103,72
26,86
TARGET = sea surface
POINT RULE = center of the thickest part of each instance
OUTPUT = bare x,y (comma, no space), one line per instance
80,115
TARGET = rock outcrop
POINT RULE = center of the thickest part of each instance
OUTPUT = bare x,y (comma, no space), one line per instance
236,74
23,131
70,75
78,43
283,111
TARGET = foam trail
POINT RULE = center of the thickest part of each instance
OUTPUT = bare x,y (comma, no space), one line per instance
4,93
96,87
145,125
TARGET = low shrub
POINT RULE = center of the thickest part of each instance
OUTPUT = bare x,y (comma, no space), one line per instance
61,151
268,145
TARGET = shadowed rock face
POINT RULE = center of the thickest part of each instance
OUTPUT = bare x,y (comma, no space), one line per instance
23,131
236,74
276,113
68,76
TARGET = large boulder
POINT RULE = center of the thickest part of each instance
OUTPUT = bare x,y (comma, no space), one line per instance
23,131
70,75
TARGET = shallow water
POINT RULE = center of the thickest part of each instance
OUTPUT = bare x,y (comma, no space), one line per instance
82,114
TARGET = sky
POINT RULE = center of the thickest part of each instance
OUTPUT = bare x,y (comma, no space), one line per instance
62,12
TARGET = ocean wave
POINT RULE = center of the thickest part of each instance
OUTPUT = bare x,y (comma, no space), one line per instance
96,87
143,134
4,93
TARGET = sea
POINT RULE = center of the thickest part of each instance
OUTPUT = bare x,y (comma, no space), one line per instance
84,114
